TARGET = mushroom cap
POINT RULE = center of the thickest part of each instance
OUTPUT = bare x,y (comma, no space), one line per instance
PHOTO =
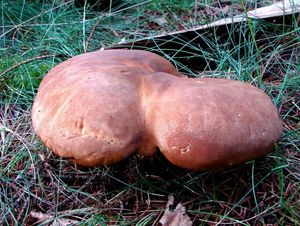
99,108
212,123
88,108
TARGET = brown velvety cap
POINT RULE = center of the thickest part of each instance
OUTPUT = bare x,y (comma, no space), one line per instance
98,108
211,123
88,108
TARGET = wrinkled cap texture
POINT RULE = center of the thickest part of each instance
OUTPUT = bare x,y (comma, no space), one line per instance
100,107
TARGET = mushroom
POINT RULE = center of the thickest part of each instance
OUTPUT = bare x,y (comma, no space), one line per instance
100,107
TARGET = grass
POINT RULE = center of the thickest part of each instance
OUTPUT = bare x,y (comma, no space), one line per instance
37,35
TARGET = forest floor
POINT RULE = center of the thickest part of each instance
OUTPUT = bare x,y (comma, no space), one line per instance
38,188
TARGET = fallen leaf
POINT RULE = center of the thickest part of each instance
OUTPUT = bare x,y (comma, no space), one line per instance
56,222
176,217
161,21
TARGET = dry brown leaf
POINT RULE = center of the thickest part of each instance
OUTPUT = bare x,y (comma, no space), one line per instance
177,217
57,222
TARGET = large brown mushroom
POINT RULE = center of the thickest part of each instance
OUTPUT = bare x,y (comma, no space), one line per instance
99,108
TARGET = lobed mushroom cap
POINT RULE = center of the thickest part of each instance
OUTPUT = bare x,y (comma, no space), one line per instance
99,108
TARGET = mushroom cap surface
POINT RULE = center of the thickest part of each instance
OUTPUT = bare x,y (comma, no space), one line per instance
212,123
99,108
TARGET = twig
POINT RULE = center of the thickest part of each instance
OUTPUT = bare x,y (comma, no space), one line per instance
25,204
91,34
24,62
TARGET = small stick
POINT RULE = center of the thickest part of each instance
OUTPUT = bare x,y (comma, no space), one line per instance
24,62
91,34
